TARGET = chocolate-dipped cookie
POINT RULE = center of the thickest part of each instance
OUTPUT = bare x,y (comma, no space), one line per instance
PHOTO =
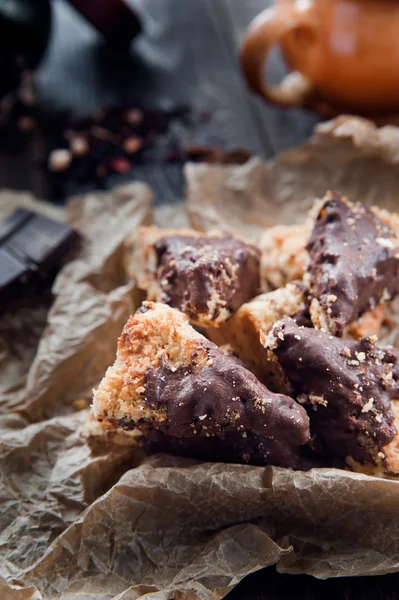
247,328
208,277
170,379
346,385
354,263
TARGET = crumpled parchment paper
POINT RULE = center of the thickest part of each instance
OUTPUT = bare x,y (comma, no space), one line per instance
97,519
349,155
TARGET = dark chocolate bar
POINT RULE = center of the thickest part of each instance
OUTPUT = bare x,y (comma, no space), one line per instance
31,249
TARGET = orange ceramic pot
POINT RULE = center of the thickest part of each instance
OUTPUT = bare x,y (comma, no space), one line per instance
344,54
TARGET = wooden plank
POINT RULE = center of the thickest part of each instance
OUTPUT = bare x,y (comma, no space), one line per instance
184,57
181,58
187,55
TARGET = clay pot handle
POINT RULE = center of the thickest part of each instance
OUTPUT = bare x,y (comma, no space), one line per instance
264,32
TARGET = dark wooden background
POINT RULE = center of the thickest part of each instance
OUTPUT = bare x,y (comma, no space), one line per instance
187,55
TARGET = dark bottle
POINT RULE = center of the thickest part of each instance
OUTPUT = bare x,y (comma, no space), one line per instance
112,18
24,33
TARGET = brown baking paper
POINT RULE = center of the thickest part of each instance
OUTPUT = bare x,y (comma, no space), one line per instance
96,519
348,155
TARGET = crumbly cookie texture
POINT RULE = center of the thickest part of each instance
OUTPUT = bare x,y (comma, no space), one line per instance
284,257
93,431
206,277
347,386
389,455
141,264
354,263
390,452
389,218
368,325
248,326
171,382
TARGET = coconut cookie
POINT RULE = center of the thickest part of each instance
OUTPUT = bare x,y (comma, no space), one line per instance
170,381
206,277
354,264
347,386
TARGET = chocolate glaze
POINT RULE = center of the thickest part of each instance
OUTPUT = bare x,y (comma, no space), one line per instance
302,317
194,271
213,395
336,379
354,259
230,448
221,396
391,355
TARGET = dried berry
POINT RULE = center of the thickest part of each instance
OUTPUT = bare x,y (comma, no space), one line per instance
202,153
110,140
132,144
26,124
120,165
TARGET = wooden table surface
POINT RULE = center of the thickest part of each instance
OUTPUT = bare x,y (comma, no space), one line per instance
187,55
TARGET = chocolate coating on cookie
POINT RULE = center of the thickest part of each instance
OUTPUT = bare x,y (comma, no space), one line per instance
207,278
213,393
230,448
346,385
170,381
354,262
391,355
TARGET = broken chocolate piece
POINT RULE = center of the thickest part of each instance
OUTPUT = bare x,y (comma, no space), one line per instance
31,247
206,277
354,263
169,378
347,386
